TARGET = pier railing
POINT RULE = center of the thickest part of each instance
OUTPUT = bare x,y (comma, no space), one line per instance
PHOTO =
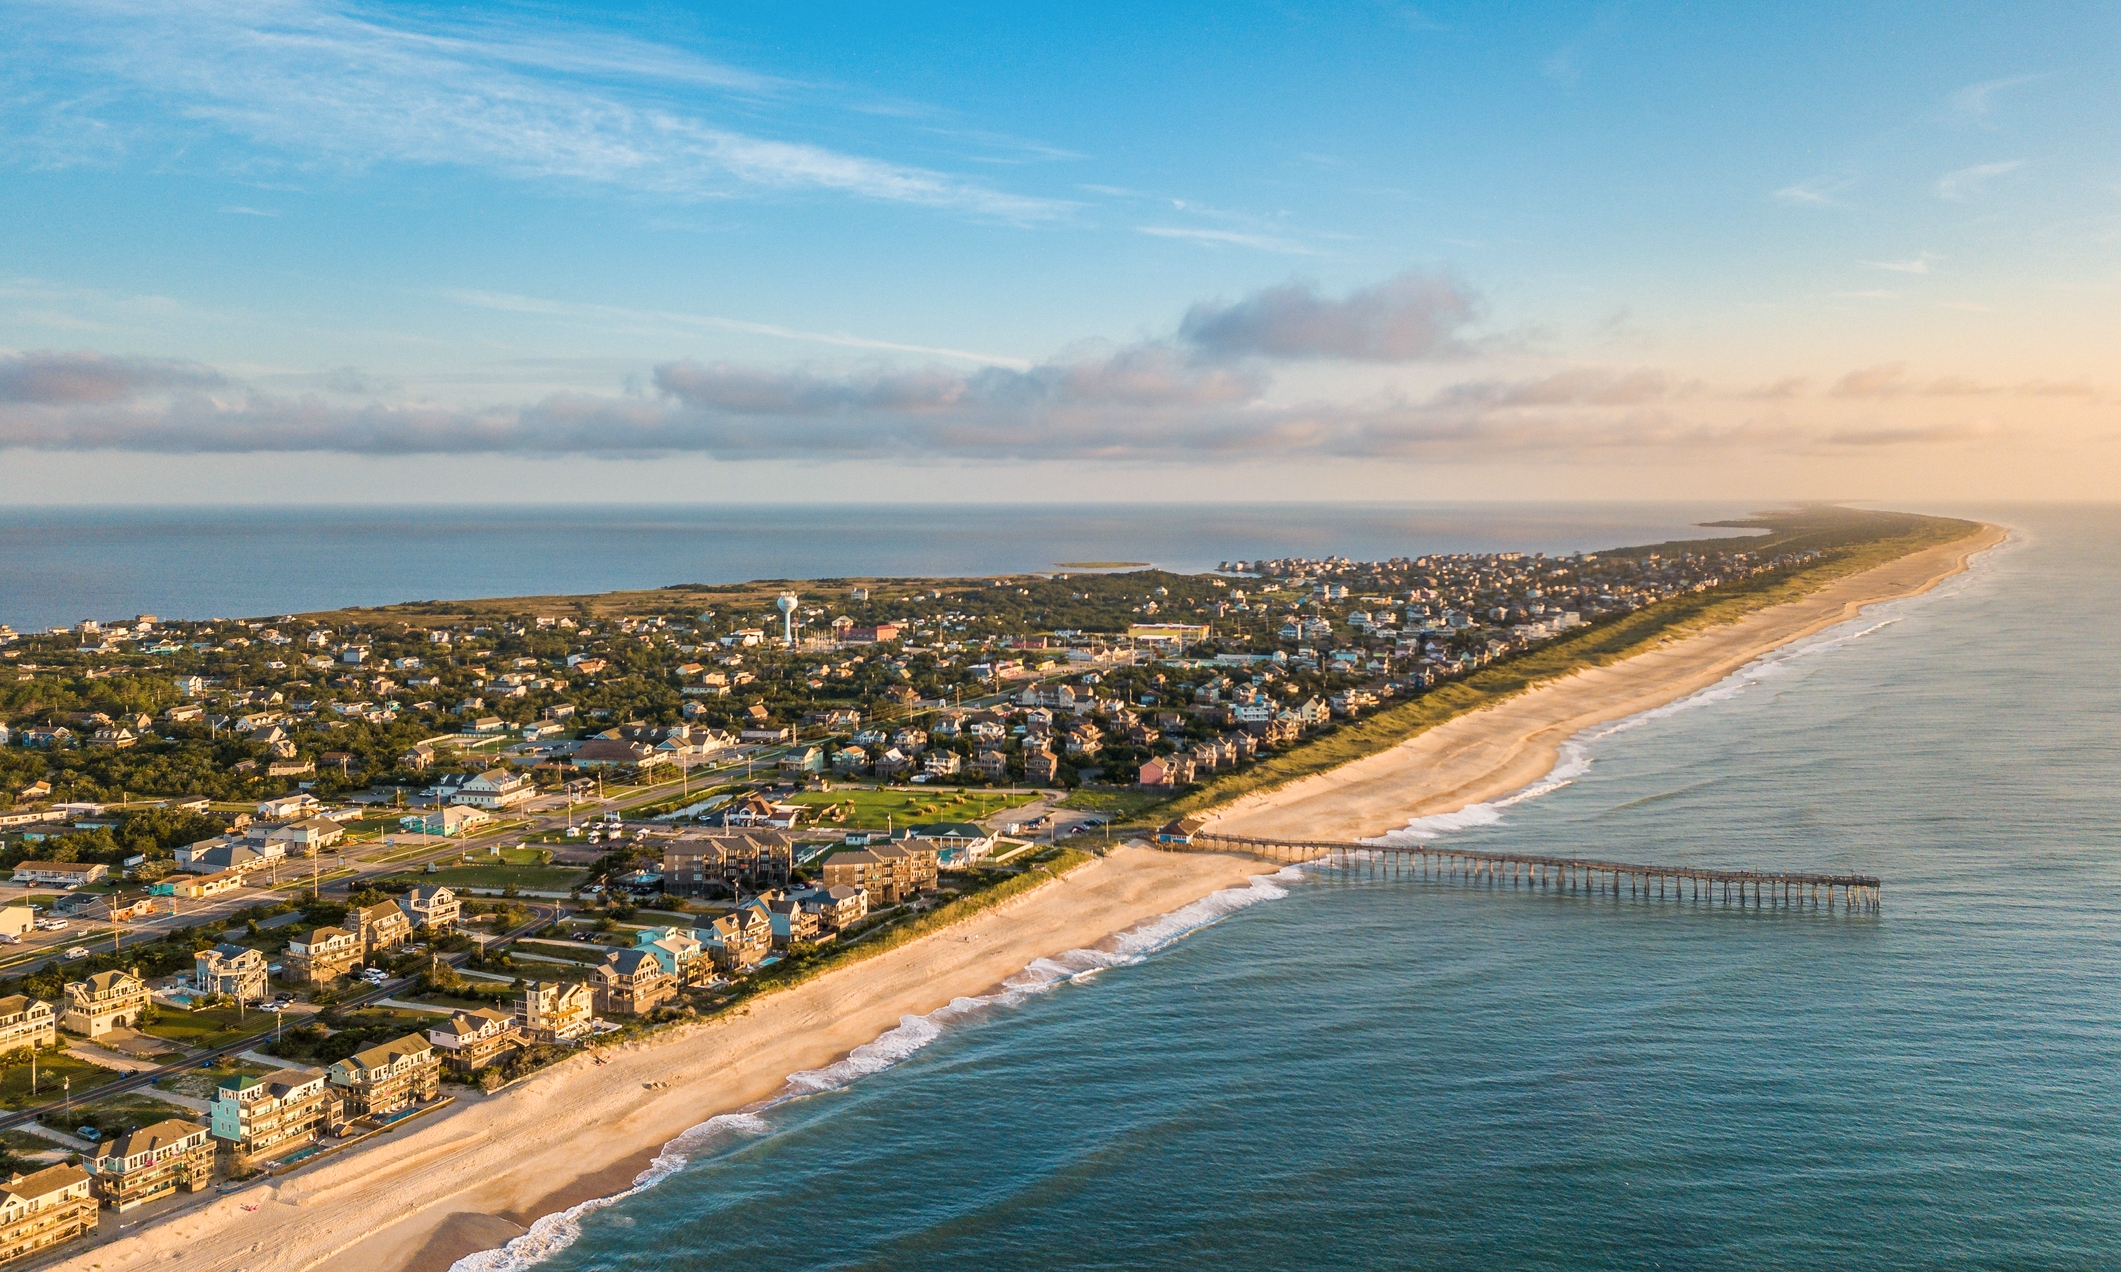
1586,875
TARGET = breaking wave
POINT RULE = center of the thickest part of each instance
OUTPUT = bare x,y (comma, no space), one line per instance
1574,757
553,1233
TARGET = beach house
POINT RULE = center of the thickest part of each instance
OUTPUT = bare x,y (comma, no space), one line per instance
259,1117
435,908
470,1040
555,1011
381,927
151,1163
631,983
103,1002
41,1210
26,1022
322,955
677,949
232,970
741,938
388,1077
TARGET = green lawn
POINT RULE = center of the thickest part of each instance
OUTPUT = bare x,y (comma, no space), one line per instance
536,878
208,1028
52,1070
874,809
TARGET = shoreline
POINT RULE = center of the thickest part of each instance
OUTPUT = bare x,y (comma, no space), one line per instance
1508,746
492,1168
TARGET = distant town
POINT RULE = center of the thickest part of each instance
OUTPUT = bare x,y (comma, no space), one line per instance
279,885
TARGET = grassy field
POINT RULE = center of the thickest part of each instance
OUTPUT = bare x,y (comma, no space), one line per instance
52,1072
510,857
208,1028
1124,806
536,878
200,1084
1609,641
871,809
116,1114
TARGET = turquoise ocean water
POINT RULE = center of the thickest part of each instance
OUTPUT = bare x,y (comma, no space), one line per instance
1313,1072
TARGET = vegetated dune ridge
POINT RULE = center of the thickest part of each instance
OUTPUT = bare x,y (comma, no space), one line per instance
479,1174
1506,747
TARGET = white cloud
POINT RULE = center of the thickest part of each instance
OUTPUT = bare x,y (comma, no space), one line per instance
1815,192
1975,100
1919,265
319,82
1231,238
1967,182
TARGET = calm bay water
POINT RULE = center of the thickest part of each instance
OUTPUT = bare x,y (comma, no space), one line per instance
59,566
1436,1076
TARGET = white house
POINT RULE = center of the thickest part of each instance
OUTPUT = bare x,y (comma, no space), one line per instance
495,788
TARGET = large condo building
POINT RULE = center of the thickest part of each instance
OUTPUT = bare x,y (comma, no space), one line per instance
259,1117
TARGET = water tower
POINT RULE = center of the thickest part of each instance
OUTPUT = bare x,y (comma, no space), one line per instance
787,604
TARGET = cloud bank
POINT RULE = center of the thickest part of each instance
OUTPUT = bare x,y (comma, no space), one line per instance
1403,319
1205,393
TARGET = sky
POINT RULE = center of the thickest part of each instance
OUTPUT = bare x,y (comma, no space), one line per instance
253,252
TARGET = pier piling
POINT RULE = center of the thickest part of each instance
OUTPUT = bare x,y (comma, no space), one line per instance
1686,884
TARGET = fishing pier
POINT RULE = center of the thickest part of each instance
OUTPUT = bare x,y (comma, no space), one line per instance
1749,889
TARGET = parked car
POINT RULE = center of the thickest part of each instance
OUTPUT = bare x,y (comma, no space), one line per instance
89,1133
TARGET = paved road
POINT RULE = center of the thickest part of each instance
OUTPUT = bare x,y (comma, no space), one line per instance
147,1077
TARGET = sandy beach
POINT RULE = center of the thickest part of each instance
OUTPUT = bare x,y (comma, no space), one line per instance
1509,746
476,1175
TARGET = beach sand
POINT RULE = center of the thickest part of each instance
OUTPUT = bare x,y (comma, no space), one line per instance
480,1173
1509,746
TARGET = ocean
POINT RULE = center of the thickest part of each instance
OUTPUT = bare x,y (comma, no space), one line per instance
61,565
1317,1071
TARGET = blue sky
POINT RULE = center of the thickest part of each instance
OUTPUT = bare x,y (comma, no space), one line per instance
1368,249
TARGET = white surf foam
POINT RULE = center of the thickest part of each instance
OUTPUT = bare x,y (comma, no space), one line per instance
1575,755
553,1233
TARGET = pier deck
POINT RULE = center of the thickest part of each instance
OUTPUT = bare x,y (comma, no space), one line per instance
1591,876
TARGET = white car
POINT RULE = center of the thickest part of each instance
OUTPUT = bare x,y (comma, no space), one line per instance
52,925
79,951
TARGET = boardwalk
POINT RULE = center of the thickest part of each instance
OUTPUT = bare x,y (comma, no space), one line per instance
1588,876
